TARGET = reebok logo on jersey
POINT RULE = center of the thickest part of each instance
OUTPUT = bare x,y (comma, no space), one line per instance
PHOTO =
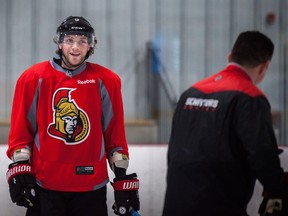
82,82
197,103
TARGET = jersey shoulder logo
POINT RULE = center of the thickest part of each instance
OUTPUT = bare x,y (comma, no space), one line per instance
70,123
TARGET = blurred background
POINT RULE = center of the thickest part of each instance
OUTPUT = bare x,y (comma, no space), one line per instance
158,48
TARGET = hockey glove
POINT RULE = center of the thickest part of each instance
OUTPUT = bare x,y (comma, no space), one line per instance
274,206
126,194
22,184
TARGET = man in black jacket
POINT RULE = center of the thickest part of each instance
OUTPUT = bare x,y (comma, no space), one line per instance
222,139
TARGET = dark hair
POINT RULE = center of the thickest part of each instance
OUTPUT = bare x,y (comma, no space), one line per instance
252,48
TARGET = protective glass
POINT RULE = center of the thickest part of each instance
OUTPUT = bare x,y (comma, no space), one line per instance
79,40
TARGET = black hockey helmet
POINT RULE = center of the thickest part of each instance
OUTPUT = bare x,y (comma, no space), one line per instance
75,25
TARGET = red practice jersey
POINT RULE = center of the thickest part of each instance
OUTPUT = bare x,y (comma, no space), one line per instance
70,121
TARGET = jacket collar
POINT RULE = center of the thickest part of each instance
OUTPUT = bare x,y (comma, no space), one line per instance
239,69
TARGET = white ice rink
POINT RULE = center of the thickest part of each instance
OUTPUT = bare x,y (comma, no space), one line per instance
149,162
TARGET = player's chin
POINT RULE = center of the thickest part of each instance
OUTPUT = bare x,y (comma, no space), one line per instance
76,61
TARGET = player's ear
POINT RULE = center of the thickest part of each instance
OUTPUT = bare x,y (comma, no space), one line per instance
261,72
263,68
229,57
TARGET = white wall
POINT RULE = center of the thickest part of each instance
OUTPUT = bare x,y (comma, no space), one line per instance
149,162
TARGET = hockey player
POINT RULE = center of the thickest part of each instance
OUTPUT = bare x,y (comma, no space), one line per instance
67,120
222,140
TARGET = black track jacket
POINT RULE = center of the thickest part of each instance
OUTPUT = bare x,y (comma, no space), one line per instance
222,140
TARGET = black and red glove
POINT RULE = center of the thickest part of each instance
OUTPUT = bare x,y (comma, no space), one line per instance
22,184
126,194
274,205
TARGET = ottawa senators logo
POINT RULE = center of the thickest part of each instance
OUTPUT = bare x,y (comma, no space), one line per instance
71,124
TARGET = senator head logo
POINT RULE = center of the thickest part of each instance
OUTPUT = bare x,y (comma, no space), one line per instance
70,123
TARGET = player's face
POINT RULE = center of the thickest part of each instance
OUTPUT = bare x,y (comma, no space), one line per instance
74,49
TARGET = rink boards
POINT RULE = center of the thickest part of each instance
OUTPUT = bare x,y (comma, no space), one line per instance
149,162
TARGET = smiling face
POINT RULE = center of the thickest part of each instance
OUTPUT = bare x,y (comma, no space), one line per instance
74,50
